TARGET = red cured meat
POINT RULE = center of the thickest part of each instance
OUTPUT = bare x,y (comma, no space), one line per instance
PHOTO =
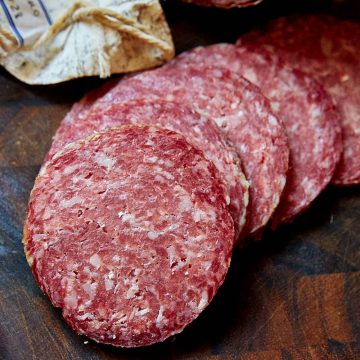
199,130
224,3
329,50
310,118
242,113
79,111
129,233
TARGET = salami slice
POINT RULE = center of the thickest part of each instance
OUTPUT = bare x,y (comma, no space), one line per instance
199,130
226,4
79,112
242,113
129,233
329,50
310,118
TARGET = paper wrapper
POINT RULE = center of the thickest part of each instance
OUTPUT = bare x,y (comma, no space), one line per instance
51,41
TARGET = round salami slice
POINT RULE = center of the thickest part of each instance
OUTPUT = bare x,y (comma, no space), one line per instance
329,50
79,112
199,130
129,233
310,118
226,4
242,113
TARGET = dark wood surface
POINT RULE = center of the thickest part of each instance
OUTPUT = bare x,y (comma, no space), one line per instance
294,295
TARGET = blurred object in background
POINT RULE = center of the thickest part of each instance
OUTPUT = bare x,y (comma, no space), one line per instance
51,42
226,4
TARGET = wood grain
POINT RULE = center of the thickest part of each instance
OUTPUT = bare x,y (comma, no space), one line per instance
294,295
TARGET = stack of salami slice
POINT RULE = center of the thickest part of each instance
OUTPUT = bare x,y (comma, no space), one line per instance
151,180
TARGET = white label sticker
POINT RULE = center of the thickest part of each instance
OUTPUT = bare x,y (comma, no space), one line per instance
28,19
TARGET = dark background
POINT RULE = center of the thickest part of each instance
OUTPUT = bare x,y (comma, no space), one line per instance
294,295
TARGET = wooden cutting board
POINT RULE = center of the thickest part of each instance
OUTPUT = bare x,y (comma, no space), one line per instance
294,295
